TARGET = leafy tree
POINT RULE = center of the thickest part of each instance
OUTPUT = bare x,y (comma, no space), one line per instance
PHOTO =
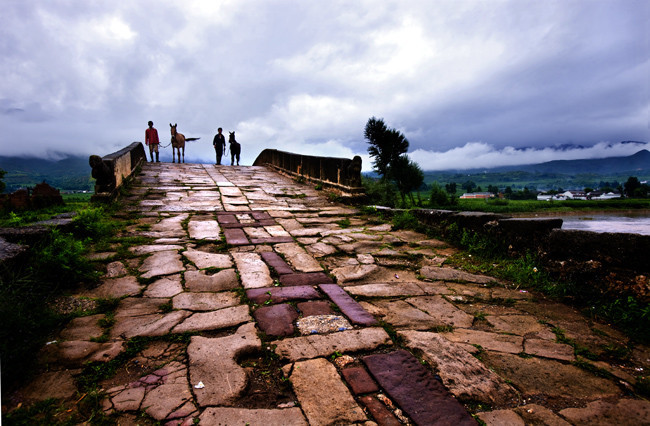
451,188
440,198
2,184
631,186
386,145
469,186
493,189
407,175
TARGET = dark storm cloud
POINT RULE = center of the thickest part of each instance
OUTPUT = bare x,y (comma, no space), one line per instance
498,82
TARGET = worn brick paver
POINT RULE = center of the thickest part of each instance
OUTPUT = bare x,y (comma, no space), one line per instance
254,299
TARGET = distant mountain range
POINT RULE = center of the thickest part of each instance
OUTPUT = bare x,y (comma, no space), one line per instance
73,173
611,165
70,174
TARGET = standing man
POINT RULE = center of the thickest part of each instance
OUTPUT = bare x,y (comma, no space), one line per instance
219,144
151,139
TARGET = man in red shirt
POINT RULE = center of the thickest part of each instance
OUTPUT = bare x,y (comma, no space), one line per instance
151,139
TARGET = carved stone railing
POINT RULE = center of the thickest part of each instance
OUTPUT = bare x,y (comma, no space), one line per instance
340,174
112,170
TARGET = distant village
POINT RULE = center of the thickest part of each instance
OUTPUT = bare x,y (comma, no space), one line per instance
547,196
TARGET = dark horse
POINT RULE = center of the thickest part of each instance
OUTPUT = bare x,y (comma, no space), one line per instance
235,148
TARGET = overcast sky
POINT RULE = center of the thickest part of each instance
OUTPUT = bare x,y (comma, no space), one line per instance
469,83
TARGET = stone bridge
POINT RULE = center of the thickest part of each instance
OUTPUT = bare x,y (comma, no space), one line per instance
254,299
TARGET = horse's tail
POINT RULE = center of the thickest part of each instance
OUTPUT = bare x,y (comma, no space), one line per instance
191,139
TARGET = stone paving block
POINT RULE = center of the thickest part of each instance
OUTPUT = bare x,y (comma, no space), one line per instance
328,403
227,219
277,263
199,281
53,384
311,278
235,237
379,412
322,324
464,375
385,290
204,259
307,347
501,418
547,349
413,387
271,240
116,288
281,294
298,257
359,380
276,320
147,325
204,230
317,307
252,270
162,263
215,320
443,311
489,341
351,273
621,412
205,301
277,231
534,414
213,361
516,324
256,233
129,399
348,305
261,216
164,287
164,399
83,328
76,352
252,417
451,274
534,376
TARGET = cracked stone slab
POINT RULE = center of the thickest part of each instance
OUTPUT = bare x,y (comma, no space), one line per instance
501,417
205,301
55,384
140,250
215,320
253,417
538,415
203,259
516,324
213,361
252,270
307,347
162,263
400,314
199,281
451,274
333,406
464,375
348,305
413,387
298,257
76,352
161,401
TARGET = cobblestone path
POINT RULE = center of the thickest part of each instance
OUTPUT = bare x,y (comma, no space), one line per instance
248,298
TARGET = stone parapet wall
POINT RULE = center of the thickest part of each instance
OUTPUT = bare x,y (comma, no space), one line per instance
613,262
112,170
341,174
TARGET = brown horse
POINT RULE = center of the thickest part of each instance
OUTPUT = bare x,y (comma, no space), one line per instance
178,143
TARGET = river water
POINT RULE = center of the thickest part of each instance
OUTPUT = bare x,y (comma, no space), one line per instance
629,222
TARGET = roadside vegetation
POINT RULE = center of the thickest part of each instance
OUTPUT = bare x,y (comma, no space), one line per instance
54,265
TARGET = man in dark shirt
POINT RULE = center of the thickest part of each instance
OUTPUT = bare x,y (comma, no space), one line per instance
219,144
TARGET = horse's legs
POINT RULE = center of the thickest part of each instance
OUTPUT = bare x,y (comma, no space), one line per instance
179,158
173,154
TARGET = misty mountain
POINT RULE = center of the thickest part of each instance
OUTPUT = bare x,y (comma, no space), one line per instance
635,163
69,174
